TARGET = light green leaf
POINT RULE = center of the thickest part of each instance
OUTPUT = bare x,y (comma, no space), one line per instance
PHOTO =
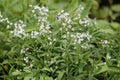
45,77
101,68
104,26
114,69
16,73
31,28
27,69
73,5
17,8
60,75
86,9
116,7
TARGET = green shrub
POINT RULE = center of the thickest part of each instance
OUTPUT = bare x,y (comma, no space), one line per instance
46,43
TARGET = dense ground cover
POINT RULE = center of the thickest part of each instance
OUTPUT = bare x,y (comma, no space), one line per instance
59,40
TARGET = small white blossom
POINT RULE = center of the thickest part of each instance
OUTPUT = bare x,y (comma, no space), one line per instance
79,37
17,70
31,65
104,42
41,15
85,21
78,11
19,29
34,34
108,56
66,22
50,43
54,39
22,51
26,59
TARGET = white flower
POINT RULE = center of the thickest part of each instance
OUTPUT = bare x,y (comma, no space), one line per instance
30,5
26,59
104,42
63,16
108,56
34,34
17,70
50,43
85,21
31,65
54,39
73,29
79,37
19,29
69,26
22,51
41,15
36,7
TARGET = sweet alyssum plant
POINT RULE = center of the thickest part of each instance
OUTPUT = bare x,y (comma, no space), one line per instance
65,48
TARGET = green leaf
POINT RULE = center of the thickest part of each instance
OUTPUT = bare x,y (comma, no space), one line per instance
43,2
86,9
45,77
32,57
115,25
6,62
17,8
116,7
46,69
73,5
114,69
104,26
29,77
101,68
27,69
31,28
60,75
16,73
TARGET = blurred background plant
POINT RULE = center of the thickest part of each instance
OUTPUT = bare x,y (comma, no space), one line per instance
50,57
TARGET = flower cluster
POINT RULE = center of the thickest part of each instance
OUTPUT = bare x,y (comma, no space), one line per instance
71,27
26,59
41,15
18,26
34,34
2,19
19,29
82,21
79,12
65,20
85,21
68,24
51,40
79,37
104,43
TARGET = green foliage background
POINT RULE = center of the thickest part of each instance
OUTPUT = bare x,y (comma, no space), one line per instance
68,64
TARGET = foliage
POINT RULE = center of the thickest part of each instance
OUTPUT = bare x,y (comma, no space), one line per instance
52,40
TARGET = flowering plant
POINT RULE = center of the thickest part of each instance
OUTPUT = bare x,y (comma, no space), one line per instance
47,44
